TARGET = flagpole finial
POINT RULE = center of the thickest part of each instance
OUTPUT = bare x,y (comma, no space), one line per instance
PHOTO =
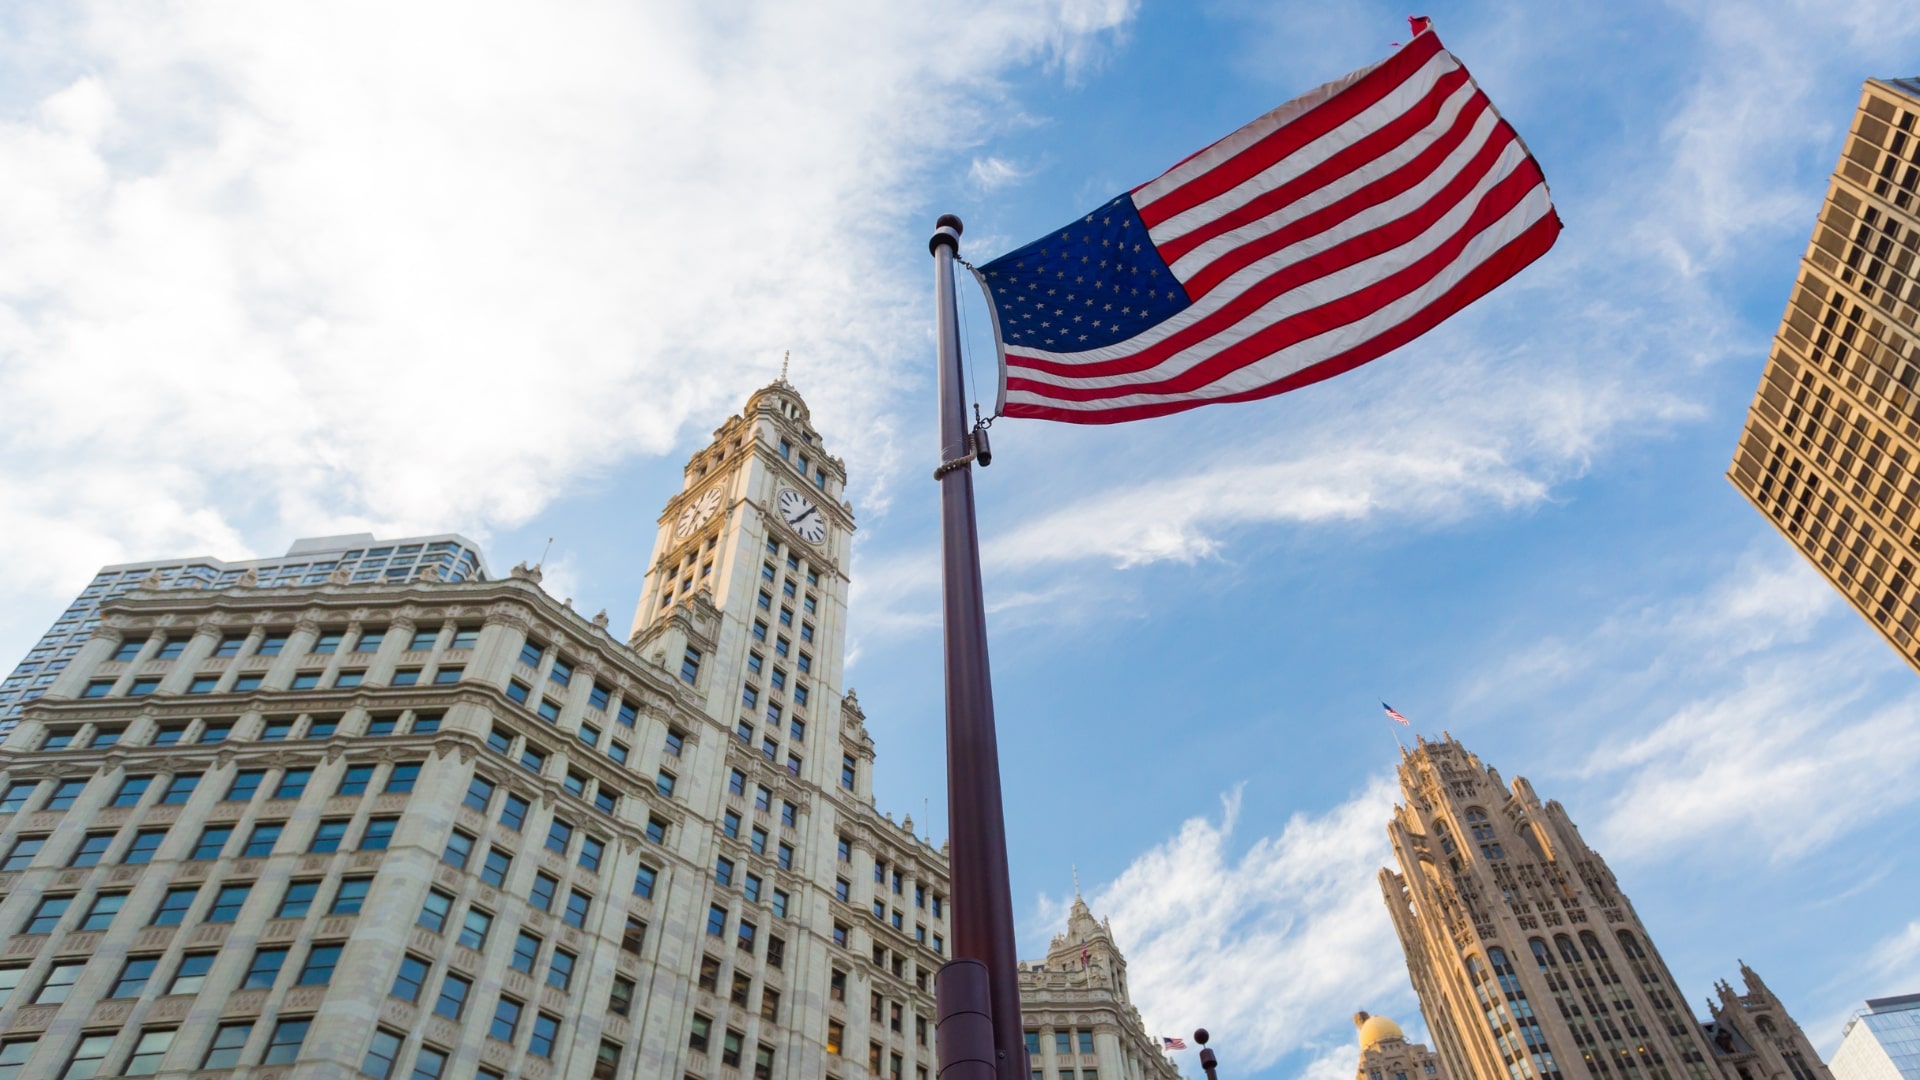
1076,881
785,356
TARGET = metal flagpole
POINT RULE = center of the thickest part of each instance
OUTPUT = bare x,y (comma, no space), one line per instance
980,1036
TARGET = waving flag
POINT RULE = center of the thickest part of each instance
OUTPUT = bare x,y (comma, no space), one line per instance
1394,714
1328,232
1169,1042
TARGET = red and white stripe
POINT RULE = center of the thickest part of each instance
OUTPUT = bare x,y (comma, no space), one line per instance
1334,229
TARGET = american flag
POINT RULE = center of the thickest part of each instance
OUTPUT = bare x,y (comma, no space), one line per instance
1169,1042
1328,232
1394,714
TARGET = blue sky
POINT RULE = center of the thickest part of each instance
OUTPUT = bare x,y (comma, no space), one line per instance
265,274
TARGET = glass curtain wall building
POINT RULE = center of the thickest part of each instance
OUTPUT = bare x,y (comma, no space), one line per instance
1882,1043
310,561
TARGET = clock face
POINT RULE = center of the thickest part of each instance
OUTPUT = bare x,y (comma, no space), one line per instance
802,516
697,513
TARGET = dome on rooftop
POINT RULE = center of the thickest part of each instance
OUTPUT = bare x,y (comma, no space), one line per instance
1377,1029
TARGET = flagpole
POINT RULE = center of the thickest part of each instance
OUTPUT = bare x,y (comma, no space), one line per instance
980,1035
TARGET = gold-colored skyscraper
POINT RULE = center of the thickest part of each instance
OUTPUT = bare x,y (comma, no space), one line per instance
1832,441
1529,960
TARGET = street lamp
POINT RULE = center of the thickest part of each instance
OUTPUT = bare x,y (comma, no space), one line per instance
1208,1063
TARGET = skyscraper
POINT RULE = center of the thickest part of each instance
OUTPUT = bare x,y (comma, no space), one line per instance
1530,961
309,561
1832,441
1882,1043
434,829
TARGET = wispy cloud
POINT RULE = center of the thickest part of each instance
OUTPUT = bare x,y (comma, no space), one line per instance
267,272
993,173
1261,943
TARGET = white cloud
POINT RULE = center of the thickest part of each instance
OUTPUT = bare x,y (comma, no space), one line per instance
992,173
272,271
1260,946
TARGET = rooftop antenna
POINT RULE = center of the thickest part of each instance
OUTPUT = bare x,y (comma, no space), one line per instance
544,551
1076,879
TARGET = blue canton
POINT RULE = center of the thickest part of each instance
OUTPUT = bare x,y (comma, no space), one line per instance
1097,281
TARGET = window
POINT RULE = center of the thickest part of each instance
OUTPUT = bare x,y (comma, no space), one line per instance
758,840
284,1045
846,771
628,713
212,840
128,650
327,642
293,784
634,938
577,905
64,795
541,895
620,1003
92,848
305,680
656,830
23,852
355,780
664,784
780,903
403,777
369,641
643,881
730,1048
762,799
513,812
591,851
134,976
742,988
379,833
559,834
506,1019
405,677
530,653
518,691
260,843
743,939
453,996
173,906
246,785
352,895
433,914
759,630
227,1044
105,907
227,904
494,870
465,637
546,1030
59,983
459,849
264,971
532,758
526,951
836,1035
429,1064
298,901
840,934
448,675
88,1056
382,1053
98,688
549,711
145,843
153,1046
329,836
606,1061
776,952
561,672
560,969
169,734
784,859
16,797
697,1033
473,931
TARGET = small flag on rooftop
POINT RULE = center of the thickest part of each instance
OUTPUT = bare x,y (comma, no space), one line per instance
1170,1042
1325,234
1394,714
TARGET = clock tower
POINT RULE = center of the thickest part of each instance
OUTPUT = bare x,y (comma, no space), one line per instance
746,596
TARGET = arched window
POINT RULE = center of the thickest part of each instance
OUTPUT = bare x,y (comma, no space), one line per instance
1630,946
1567,952
1541,954
1593,945
1498,958
1477,821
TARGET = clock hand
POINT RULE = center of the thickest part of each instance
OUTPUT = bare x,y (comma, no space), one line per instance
809,512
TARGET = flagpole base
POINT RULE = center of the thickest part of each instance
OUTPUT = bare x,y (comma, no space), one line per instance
964,1028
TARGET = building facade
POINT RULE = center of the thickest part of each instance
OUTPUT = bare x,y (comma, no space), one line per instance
1882,1042
310,561
1081,1023
1832,441
1385,1053
1528,959
429,828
